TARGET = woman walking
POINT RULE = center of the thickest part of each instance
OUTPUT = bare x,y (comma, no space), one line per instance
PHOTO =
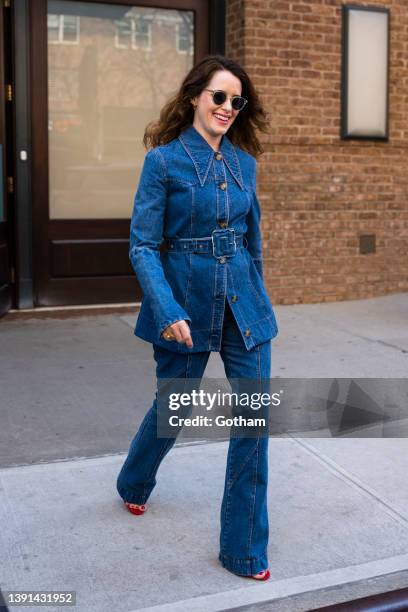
197,193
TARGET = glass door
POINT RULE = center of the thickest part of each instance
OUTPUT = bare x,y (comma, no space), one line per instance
6,182
101,72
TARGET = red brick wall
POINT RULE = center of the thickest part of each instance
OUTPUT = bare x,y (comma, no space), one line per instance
320,193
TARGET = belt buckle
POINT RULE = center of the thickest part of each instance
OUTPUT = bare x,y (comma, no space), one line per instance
221,231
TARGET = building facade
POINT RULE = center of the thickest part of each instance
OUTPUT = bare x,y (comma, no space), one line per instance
80,80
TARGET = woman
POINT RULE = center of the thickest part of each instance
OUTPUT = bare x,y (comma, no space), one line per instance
197,193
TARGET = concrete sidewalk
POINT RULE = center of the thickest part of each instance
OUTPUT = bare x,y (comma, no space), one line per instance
335,522
338,507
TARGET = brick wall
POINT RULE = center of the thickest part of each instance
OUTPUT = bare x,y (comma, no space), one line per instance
320,193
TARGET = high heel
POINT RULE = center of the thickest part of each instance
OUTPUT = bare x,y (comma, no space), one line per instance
265,575
139,509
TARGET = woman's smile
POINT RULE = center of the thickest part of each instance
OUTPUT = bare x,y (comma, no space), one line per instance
223,119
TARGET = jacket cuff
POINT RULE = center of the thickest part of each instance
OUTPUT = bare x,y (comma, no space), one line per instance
166,322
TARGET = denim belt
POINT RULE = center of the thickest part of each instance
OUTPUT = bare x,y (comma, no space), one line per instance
221,243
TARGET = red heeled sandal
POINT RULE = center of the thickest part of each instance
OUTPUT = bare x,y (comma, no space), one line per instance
140,509
266,575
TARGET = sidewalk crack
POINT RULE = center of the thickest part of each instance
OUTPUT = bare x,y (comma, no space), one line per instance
352,480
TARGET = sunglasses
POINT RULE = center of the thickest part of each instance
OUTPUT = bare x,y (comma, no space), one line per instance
219,97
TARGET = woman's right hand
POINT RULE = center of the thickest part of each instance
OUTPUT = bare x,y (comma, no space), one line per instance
179,331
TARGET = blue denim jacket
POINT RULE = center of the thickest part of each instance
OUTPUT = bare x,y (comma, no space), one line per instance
188,191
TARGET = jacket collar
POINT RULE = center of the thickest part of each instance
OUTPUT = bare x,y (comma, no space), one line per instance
202,154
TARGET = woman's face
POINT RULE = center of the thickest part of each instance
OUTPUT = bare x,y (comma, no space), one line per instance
212,119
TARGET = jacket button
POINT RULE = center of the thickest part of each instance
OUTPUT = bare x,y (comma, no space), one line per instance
218,156
223,185
222,223
247,332
234,298
222,260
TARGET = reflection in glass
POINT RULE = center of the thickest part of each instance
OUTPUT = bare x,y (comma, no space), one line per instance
110,70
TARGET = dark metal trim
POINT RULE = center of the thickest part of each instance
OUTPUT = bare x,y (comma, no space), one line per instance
7,222
3,606
346,9
23,202
217,26
391,601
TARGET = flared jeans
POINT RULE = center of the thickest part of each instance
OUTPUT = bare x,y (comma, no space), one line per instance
244,513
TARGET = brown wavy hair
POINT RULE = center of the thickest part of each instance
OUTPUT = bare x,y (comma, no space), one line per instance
178,111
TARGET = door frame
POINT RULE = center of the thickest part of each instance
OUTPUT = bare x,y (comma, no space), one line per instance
23,153
7,225
48,291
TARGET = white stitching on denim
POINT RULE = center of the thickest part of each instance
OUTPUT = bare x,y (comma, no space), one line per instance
213,303
259,363
263,319
188,367
207,171
238,168
189,276
247,458
198,170
233,288
249,201
217,208
227,208
162,161
192,216
176,179
227,493
259,299
252,511
170,441
192,159
238,164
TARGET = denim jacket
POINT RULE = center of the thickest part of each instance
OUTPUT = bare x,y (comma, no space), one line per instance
203,205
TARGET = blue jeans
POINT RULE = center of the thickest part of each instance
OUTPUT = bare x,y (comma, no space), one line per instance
244,514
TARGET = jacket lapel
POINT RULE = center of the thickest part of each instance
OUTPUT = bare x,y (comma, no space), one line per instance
202,154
